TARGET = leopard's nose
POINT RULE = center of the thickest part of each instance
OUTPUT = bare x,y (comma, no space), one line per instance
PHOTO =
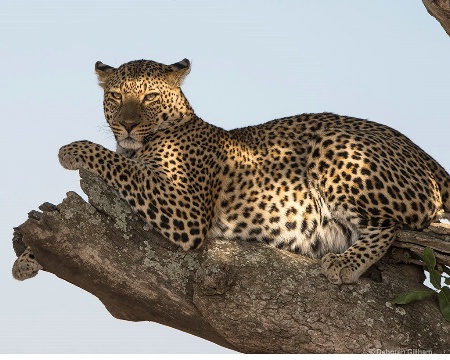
129,124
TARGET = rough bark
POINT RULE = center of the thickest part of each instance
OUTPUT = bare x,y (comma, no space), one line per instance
439,9
244,296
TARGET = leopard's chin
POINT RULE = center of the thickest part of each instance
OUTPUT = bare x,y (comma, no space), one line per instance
130,143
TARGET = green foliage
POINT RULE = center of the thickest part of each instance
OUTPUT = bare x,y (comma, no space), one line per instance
430,260
436,277
444,302
406,298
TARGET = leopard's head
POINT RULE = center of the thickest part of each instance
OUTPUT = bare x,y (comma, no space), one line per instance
142,97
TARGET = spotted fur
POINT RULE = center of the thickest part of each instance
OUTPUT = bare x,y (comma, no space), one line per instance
321,185
26,266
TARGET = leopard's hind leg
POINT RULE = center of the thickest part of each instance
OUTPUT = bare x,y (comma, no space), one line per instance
347,267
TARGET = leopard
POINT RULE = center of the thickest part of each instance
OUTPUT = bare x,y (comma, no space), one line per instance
26,266
321,185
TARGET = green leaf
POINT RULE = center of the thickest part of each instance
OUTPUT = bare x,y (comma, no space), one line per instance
406,298
430,261
447,280
428,257
435,278
444,302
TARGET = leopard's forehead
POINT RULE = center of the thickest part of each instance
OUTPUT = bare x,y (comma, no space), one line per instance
141,68
139,75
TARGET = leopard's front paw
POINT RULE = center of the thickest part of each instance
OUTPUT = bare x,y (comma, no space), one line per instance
340,268
26,266
73,156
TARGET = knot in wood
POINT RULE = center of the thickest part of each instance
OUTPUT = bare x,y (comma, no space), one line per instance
215,279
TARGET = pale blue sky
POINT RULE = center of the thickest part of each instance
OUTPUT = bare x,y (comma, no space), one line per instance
253,61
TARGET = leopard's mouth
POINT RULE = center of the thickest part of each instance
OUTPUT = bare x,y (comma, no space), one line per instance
130,143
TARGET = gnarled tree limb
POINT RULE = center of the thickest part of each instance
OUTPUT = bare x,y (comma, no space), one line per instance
439,9
245,296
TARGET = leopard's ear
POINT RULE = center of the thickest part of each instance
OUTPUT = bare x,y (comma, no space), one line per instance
177,72
103,72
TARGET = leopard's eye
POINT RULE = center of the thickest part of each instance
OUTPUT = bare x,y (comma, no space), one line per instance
116,95
151,97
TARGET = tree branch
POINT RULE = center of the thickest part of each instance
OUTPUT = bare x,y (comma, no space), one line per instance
439,9
244,296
